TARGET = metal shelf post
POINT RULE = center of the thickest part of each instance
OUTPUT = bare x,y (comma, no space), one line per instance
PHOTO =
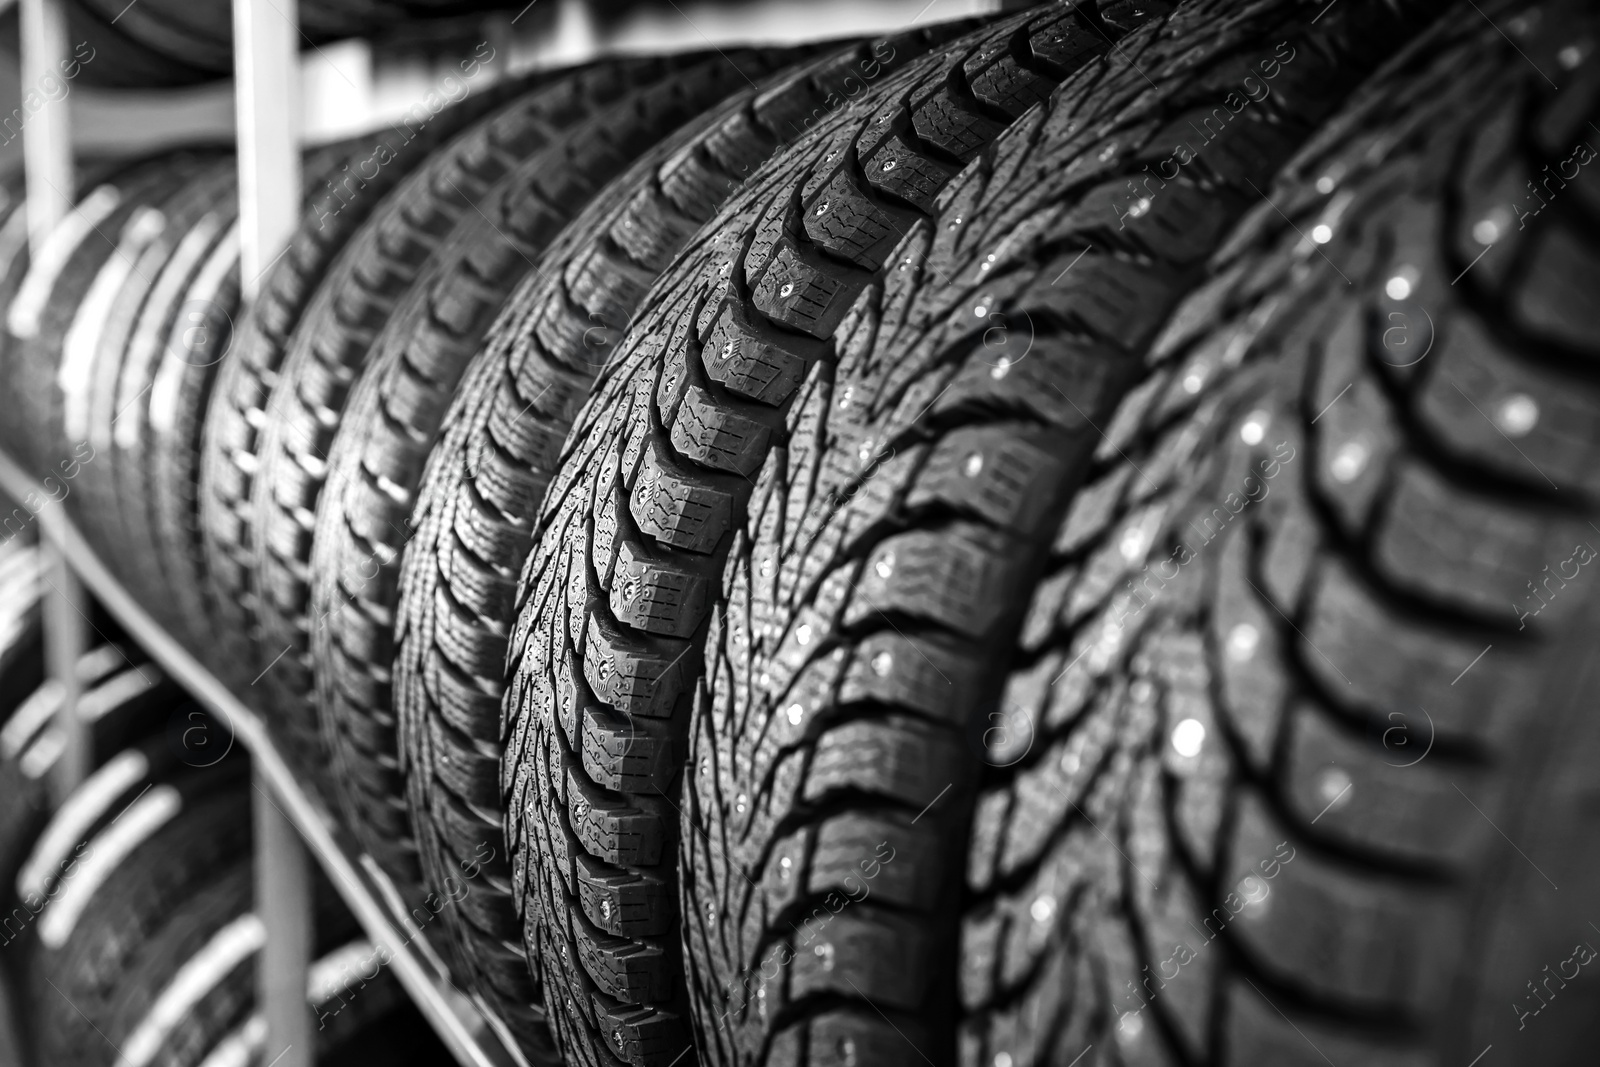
47,165
266,86
47,136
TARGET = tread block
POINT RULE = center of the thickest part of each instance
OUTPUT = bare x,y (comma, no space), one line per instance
624,903
1120,300
916,673
512,487
651,229
466,770
898,170
713,434
1358,937
1356,645
610,828
658,593
739,143
1557,297
477,586
605,285
840,1038
571,696
629,756
621,968
635,674
888,858
808,297
1452,544
374,512
687,510
465,641
674,382
864,952
695,184
486,534
1007,474
752,360
1475,376
952,576
612,525
1362,792
844,221
1063,44
999,80
565,848
642,1037
1357,442
1257,1031
945,120
904,759
1058,380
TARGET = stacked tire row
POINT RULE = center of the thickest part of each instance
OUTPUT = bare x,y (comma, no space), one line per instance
747,539
128,935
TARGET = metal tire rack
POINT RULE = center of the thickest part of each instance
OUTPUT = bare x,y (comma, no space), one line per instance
290,822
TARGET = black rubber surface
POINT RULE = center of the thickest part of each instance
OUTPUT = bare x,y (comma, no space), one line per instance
46,302
13,266
552,336
30,745
108,360
191,332
407,379
235,414
391,256
599,706
830,456
1303,779
226,1004
79,977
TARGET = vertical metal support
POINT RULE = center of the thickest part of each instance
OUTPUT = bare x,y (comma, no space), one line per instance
283,903
47,164
266,89
266,98
66,639
47,136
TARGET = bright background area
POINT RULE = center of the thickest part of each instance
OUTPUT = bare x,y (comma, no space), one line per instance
351,87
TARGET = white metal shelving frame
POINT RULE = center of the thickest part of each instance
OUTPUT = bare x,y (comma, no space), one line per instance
292,825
